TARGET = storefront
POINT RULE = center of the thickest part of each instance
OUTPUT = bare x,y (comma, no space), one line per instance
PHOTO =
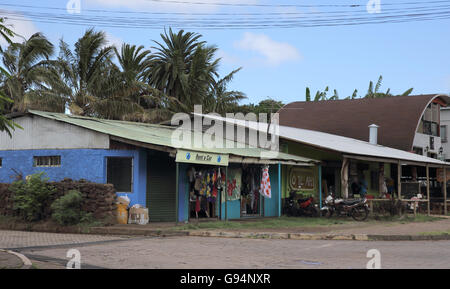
226,186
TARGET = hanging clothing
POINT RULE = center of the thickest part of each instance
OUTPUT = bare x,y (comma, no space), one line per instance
265,189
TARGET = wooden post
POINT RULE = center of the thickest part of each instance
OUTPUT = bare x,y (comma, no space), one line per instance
399,186
399,181
444,184
344,178
380,179
177,191
428,190
226,194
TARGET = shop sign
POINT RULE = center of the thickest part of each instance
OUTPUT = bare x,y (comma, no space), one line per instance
302,179
194,157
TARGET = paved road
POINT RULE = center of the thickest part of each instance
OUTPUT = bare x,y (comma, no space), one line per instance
197,252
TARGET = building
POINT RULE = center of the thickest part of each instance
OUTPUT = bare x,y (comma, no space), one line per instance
409,123
444,130
344,160
141,161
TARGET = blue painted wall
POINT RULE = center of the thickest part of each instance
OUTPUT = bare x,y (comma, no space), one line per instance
271,205
89,164
233,210
183,193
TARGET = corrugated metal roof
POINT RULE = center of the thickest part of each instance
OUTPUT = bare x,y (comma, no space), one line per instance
161,136
336,143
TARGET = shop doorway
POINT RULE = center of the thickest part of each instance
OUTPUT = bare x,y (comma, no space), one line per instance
251,200
204,185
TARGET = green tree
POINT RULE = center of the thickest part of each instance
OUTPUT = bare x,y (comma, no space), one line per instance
220,99
30,79
183,68
267,105
375,92
320,95
5,124
84,70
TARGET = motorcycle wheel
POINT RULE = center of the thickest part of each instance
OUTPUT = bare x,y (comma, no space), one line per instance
327,213
360,214
313,212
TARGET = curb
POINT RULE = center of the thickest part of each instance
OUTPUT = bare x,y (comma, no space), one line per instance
291,236
136,232
336,237
26,262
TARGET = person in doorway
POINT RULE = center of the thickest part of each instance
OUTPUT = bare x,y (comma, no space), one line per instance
363,187
356,188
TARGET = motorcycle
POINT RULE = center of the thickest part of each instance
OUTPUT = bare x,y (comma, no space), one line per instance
301,207
358,209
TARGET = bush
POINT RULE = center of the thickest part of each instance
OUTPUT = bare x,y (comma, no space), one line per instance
31,197
67,209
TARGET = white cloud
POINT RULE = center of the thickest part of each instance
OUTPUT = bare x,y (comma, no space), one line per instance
24,28
272,52
114,40
147,5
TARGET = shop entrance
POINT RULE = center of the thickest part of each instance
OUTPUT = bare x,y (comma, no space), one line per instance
205,185
251,200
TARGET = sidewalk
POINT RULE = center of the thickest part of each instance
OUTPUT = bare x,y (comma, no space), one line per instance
364,231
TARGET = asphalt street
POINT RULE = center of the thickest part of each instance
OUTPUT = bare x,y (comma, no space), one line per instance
50,251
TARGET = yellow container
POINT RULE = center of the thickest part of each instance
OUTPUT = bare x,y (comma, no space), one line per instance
122,214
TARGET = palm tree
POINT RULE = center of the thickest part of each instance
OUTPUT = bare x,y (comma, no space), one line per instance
124,93
183,68
5,124
84,70
30,79
221,100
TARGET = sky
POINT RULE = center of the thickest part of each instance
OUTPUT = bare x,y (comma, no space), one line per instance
276,62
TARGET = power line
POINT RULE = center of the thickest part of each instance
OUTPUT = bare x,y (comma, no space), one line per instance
283,5
340,18
14,5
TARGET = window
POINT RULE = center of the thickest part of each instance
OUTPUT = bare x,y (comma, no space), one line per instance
443,133
120,173
418,150
1,162
47,161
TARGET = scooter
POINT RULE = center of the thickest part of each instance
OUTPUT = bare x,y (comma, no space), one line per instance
358,209
301,207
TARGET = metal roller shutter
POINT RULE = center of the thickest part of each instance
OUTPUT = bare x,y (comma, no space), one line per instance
161,189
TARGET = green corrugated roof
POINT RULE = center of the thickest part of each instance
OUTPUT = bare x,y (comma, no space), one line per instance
158,135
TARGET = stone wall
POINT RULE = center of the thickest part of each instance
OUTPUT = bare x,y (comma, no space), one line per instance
98,199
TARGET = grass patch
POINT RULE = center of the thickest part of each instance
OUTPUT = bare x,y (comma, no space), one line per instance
293,222
405,219
435,233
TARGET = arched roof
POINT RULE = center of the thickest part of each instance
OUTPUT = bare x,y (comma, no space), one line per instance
397,117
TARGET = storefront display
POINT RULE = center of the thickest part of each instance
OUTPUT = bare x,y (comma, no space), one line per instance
250,200
209,187
204,186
